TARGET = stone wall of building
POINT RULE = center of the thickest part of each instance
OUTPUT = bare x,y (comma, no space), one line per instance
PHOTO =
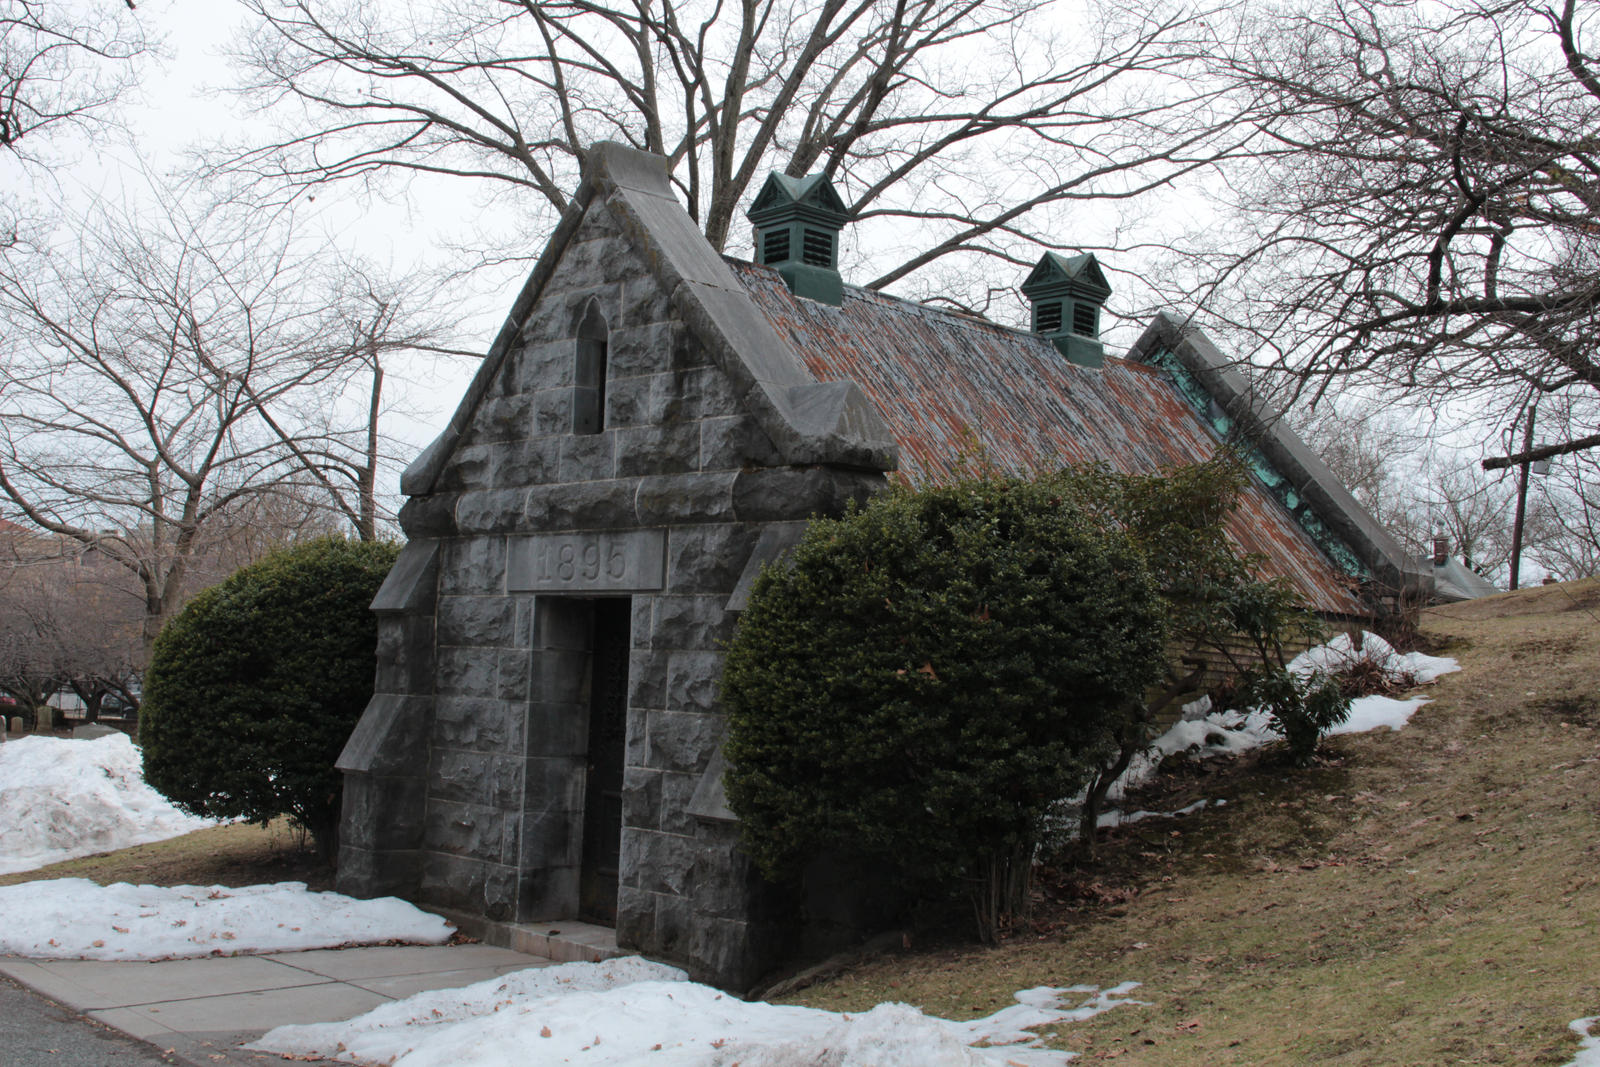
483,659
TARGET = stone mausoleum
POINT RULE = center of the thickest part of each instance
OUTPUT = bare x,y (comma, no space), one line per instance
654,423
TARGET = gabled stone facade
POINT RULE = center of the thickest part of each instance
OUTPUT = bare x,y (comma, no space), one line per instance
543,741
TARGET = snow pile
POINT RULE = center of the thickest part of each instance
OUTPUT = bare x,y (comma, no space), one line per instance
72,918
1371,712
1205,733
61,799
1589,1045
631,1011
1340,655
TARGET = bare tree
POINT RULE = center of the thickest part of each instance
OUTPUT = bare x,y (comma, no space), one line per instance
67,622
967,124
1420,487
156,382
373,319
1423,209
1379,457
62,67
1567,497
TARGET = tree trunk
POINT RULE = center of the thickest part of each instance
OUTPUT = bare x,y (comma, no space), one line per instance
1002,895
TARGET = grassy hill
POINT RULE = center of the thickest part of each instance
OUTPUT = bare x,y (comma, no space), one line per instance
1422,897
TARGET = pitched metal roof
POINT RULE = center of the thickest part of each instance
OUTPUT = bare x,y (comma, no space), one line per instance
1454,581
942,381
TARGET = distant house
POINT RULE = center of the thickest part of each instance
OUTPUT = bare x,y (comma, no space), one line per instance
1452,579
655,423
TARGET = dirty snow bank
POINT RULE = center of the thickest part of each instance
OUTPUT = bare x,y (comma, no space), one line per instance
61,799
631,1011
1340,654
1205,733
72,918
1589,1044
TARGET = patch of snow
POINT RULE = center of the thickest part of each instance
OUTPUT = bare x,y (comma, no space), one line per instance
1117,818
1375,712
1589,1047
64,798
1205,733
632,1011
1216,733
1341,654
72,918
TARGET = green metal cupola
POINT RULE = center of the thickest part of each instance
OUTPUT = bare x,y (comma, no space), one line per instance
797,223
1067,293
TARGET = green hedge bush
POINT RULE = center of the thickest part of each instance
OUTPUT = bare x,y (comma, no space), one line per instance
254,687
926,676
1300,708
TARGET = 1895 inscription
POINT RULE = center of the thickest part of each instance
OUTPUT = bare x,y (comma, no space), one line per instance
589,562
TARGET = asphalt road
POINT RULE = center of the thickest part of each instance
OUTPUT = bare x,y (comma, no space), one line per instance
37,1032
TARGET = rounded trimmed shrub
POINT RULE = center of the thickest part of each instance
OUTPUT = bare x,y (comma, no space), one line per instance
254,687
925,676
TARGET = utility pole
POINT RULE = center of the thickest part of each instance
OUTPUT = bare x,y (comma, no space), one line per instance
1522,495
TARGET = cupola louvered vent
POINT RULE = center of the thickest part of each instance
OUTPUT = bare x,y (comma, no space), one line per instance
1047,317
819,248
1085,320
797,223
775,246
1067,293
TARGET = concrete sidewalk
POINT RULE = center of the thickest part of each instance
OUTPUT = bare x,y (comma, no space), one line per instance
201,1010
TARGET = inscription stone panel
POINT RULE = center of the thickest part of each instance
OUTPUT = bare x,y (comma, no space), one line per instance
627,561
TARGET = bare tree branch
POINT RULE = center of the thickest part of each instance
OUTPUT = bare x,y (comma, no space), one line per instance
58,69
160,381
1422,211
909,105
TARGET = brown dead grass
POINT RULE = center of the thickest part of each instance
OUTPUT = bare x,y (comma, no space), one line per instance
231,855
1421,897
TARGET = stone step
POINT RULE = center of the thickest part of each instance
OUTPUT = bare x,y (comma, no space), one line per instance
560,940
564,942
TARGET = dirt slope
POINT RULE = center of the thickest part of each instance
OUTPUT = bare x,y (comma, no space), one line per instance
1422,897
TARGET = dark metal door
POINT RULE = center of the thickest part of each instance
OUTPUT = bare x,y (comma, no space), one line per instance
608,730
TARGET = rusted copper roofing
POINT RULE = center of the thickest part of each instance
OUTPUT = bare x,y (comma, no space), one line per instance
942,380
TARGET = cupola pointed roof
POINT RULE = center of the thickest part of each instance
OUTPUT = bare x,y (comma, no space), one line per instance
814,194
1080,273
